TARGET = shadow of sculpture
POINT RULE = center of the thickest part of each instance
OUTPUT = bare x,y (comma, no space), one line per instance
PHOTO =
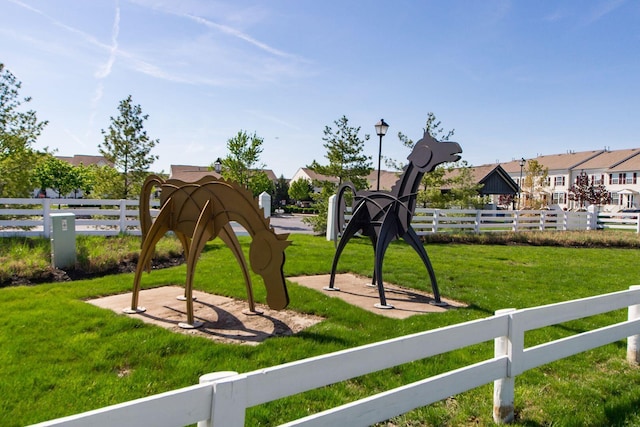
201,211
385,216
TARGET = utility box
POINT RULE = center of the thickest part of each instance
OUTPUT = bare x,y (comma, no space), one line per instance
63,240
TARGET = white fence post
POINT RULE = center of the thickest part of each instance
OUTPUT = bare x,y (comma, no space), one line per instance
436,218
503,388
209,378
478,220
229,403
46,221
123,216
332,233
264,201
514,227
633,342
592,217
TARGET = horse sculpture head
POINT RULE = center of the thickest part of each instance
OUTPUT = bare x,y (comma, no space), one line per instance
428,153
266,255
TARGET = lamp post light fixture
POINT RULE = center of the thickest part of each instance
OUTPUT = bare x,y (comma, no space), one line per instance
217,166
522,163
381,130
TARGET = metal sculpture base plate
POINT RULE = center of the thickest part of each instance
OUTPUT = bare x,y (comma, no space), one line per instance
134,311
195,325
383,306
184,298
328,288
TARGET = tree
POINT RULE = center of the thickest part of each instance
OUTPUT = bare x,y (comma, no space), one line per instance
62,177
586,193
533,182
241,164
281,195
344,152
346,162
127,145
107,182
259,183
19,130
300,190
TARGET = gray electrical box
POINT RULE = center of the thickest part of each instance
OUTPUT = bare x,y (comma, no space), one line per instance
63,240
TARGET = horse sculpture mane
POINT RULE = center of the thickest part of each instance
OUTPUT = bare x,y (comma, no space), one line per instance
201,211
385,216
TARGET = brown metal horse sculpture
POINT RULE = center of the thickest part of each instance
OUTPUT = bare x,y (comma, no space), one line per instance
201,211
386,215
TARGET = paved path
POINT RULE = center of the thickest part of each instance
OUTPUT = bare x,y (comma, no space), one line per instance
285,223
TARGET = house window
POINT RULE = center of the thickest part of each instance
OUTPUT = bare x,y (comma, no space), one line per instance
614,178
616,200
558,181
559,198
597,179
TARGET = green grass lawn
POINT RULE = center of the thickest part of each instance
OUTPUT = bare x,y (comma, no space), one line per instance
60,355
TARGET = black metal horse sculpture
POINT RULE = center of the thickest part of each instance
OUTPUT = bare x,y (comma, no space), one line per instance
385,216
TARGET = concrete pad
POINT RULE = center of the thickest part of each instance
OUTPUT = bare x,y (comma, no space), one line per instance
357,290
224,318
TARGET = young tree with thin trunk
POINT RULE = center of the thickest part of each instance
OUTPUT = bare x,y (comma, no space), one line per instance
19,130
127,145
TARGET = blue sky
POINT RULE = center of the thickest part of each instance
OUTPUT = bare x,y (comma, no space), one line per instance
513,78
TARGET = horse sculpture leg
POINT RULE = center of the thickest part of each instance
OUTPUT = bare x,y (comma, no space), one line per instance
202,234
412,238
156,232
229,237
350,230
388,232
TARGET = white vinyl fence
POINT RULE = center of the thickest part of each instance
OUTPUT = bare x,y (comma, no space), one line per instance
427,221
31,217
221,399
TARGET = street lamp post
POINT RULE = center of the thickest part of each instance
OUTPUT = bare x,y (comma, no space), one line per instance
522,162
217,166
381,130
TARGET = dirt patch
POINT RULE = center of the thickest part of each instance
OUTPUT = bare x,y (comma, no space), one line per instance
357,290
224,319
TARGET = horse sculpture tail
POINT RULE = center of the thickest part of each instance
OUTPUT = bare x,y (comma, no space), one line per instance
340,208
145,209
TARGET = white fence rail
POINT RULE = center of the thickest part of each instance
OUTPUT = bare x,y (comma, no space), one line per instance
427,221
222,400
30,217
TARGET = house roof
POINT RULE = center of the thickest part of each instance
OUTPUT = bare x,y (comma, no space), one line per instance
189,173
567,161
387,179
608,159
317,176
493,177
86,160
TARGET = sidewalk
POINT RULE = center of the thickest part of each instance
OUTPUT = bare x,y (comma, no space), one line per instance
283,223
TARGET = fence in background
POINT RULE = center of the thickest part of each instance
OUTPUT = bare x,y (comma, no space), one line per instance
426,221
30,217
221,399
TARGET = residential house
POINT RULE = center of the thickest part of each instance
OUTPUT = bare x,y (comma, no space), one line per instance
189,173
387,178
617,170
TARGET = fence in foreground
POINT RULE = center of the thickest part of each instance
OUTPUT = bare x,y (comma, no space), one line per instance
221,399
